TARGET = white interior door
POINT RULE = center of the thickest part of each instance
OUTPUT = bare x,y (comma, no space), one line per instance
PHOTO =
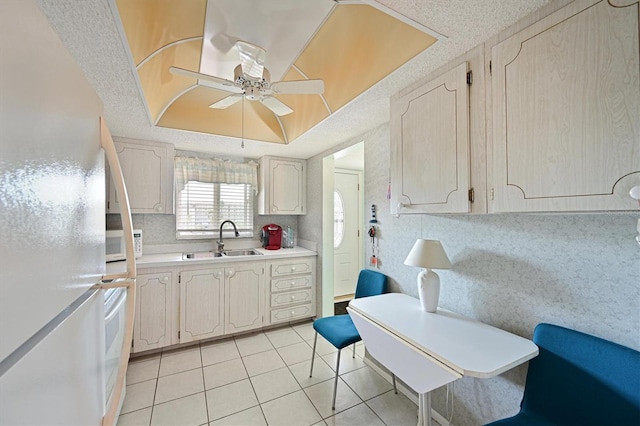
346,232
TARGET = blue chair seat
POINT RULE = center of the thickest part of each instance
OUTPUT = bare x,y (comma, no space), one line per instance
338,330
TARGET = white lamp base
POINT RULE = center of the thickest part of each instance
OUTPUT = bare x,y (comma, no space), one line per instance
428,290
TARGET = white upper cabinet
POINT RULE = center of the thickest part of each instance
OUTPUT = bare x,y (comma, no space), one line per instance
283,186
147,168
430,147
566,112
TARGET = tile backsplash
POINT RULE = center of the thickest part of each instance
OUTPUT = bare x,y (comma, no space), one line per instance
160,229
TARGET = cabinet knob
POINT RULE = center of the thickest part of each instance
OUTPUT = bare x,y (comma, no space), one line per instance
293,298
293,283
158,208
293,313
293,268
230,272
273,209
166,278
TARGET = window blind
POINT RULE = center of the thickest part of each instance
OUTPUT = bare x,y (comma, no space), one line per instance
202,206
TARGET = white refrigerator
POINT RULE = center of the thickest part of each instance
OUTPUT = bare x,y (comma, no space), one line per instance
52,229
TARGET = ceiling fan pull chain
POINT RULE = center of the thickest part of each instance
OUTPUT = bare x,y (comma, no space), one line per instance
242,123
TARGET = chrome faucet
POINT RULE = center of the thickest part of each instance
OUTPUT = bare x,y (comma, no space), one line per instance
220,243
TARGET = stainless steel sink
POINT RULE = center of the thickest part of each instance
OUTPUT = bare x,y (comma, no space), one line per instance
201,255
241,253
216,254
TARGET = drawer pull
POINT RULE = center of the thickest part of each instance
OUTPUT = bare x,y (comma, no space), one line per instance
293,312
293,268
293,298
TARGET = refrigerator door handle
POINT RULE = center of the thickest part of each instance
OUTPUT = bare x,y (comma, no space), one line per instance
118,179
129,278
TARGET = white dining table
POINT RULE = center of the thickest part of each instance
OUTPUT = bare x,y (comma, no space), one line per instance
428,350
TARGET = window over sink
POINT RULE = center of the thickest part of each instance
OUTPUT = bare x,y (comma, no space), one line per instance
201,207
210,191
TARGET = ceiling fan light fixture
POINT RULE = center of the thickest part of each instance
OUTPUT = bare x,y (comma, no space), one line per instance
252,59
252,93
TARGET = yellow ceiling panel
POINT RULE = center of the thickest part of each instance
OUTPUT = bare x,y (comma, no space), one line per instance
308,110
357,47
153,24
160,86
191,112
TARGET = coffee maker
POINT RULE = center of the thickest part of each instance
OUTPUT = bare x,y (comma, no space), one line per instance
272,237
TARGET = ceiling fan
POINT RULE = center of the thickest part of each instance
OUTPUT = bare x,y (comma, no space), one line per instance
252,81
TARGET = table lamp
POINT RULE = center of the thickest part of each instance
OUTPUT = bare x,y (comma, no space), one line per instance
428,254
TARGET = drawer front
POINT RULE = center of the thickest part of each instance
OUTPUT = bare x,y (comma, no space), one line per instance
290,314
289,298
293,266
291,283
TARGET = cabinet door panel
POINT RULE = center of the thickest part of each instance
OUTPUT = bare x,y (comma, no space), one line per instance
152,322
201,304
286,187
430,147
567,112
244,292
148,173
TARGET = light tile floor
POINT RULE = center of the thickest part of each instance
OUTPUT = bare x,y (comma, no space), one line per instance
260,379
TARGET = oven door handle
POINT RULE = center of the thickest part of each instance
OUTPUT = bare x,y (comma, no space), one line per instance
113,310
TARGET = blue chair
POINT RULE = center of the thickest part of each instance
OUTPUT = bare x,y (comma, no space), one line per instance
579,379
339,329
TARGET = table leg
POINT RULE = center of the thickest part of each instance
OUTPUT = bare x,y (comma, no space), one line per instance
424,409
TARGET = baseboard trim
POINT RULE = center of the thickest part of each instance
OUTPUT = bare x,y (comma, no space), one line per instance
405,390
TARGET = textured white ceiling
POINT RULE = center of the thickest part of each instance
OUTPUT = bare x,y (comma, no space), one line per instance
88,29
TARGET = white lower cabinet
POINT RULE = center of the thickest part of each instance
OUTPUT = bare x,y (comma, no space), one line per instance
201,304
184,304
291,289
244,290
154,322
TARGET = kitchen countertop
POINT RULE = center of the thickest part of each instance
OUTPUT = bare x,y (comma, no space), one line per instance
175,259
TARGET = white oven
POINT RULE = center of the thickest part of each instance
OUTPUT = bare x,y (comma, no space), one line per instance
115,315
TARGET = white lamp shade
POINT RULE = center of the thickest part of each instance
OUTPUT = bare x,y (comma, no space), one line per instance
428,254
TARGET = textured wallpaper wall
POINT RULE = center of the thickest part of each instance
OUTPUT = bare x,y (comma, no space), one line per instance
512,271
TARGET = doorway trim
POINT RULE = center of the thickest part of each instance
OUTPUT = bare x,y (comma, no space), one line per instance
328,184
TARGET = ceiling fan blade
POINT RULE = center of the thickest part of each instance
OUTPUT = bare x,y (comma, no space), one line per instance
275,105
226,102
218,83
298,87
252,59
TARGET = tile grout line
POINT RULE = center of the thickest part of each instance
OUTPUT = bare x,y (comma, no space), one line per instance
155,391
297,381
250,382
204,384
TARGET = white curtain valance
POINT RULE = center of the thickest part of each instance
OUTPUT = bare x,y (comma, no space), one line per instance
212,170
